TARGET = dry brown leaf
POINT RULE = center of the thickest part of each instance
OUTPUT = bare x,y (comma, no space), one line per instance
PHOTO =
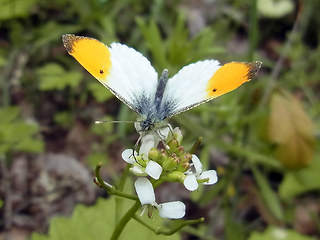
291,129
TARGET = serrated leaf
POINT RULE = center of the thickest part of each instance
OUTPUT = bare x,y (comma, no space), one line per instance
276,233
97,222
292,130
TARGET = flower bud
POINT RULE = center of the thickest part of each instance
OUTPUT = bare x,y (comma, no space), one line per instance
162,156
180,151
154,154
186,157
169,164
183,167
173,145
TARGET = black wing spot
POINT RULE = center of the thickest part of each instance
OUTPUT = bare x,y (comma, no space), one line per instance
214,90
101,71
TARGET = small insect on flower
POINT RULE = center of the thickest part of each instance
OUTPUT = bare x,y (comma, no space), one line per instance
132,79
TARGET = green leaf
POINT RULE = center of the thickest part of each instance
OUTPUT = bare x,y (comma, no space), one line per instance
53,77
301,181
276,233
16,134
97,222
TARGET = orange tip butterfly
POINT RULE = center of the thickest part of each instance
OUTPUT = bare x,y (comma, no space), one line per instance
132,79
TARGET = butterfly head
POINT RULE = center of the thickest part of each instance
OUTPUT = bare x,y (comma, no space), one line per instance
147,124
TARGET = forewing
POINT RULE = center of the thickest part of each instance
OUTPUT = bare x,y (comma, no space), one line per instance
204,80
123,70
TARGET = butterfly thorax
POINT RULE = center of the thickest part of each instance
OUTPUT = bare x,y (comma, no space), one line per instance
156,114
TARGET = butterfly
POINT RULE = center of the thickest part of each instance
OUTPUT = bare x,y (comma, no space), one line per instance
131,78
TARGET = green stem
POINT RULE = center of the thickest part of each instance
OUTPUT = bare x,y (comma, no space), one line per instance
111,190
124,220
196,145
118,199
167,231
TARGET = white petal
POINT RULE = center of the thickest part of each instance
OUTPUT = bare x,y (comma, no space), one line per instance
138,170
127,155
197,164
138,126
190,182
173,210
163,132
145,191
211,174
178,134
153,169
148,142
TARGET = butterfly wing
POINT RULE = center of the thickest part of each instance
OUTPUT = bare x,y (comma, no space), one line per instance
202,81
123,70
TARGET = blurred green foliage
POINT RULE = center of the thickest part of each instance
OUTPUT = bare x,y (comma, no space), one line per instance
275,233
17,135
243,126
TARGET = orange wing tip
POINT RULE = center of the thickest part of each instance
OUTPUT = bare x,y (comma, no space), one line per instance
68,41
231,76
93,55
253,69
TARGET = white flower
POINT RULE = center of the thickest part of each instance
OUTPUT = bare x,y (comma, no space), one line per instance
144,189
190,181
153,169
151,139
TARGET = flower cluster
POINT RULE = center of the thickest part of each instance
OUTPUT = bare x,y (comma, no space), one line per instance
170,164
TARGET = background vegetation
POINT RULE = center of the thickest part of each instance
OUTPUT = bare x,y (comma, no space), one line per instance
262,138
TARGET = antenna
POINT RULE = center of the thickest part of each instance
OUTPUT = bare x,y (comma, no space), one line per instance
113,121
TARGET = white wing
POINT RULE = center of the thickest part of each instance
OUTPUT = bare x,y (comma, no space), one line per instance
202,81
123,70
